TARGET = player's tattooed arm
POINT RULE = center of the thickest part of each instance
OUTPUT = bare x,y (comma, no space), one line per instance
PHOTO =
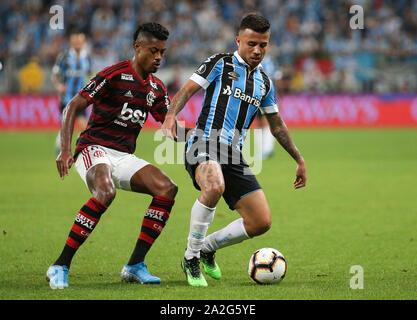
280,131
169,127
182,97
179,101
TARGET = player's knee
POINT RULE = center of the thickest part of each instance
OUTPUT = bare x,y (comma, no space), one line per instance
171,190
213,193
217,189
266,225
105,194
167,188
260,226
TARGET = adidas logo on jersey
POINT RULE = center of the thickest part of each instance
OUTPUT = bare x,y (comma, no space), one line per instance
129,94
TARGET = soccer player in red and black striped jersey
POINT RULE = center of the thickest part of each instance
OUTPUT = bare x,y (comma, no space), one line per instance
122,96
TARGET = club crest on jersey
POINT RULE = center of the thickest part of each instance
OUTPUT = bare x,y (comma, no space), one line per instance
126,76
150,98
98,153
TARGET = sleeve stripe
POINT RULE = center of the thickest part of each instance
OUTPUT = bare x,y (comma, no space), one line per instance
200,80
269,109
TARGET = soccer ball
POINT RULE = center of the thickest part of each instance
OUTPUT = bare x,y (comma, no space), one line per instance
266,266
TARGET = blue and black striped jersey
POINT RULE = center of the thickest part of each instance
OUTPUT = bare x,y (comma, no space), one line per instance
73,72
233,95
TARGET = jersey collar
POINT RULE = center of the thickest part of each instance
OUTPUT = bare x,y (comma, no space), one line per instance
241,61
136,76
83,52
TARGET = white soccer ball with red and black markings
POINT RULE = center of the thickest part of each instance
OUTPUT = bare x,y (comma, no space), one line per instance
267,266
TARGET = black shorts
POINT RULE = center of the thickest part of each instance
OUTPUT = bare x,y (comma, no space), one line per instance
238,178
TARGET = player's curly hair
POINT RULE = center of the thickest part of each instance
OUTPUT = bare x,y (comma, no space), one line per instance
255,22
151,28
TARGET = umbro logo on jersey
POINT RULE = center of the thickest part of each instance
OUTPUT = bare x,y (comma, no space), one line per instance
129,94
233,75
126,76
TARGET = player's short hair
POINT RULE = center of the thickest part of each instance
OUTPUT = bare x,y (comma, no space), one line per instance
151,29
255,22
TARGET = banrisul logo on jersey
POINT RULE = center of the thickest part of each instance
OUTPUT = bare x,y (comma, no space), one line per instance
239,94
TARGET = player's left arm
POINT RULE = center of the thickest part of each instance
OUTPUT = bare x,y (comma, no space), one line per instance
169,127
182,131
280,131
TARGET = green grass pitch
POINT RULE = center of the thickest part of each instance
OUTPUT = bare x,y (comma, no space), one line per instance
359,208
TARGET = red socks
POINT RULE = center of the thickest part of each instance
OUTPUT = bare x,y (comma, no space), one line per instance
153,223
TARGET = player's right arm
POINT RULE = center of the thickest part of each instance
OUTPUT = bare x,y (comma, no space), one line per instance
65,159
201,78
169,127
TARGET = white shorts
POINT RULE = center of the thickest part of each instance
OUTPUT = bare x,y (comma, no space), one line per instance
123,165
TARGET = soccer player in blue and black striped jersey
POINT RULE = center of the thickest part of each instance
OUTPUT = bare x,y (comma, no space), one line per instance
236,88
69,74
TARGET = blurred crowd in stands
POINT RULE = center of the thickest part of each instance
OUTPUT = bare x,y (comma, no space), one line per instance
313,48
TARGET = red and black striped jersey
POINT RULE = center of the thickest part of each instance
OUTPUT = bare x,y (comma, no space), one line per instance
121,104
